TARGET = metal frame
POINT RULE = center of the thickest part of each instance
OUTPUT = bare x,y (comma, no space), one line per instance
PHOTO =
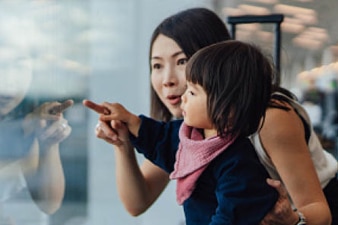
277,19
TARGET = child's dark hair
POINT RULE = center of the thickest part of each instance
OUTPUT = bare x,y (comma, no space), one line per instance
237,78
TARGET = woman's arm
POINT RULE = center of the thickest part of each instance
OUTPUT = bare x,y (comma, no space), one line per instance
138,187
283,138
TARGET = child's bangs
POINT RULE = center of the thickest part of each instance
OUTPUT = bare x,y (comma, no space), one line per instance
194,70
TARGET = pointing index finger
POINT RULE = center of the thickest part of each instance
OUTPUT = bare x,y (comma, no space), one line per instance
97,108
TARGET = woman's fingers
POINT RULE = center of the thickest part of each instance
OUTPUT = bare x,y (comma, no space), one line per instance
278,186
104,131
96,107
282,212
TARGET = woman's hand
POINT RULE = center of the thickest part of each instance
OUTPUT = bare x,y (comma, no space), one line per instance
114,132
282,213
115,112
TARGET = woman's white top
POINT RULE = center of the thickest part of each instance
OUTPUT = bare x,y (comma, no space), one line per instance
325,163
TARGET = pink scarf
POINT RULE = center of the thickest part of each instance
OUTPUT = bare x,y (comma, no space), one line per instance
192,158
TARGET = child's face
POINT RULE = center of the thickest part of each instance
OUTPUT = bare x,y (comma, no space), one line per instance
194,107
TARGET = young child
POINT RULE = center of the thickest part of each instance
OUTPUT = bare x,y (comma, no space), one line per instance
220,179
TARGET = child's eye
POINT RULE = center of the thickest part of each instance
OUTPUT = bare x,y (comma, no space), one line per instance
182,61
191,93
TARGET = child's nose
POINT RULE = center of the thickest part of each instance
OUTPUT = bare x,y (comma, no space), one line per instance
183,97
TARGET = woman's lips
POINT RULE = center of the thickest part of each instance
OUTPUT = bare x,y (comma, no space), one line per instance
174,99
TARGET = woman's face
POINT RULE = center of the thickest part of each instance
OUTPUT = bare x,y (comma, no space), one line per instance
15,79
168,63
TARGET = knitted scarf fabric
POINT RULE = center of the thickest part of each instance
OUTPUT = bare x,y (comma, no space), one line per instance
192,158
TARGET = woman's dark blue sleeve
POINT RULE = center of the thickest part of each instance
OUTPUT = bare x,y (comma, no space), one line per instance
158,141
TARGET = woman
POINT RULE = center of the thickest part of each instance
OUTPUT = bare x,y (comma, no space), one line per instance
173,43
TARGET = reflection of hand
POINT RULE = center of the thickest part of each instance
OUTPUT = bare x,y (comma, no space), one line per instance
47,124
282,213
53,132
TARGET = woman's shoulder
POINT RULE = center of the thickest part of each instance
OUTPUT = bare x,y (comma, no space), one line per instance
281,119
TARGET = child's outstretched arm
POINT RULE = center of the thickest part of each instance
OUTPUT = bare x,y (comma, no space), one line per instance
116,111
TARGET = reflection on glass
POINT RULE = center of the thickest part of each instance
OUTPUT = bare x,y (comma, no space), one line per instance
42,80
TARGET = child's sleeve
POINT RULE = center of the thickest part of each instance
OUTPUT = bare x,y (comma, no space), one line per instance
158,141
243,195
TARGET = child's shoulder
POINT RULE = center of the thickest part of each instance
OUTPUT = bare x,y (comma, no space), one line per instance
239,153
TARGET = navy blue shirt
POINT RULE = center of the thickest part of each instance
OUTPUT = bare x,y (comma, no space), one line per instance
232,190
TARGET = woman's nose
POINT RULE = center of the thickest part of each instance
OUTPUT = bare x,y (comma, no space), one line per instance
169,78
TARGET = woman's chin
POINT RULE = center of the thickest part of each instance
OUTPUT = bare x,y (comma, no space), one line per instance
177,113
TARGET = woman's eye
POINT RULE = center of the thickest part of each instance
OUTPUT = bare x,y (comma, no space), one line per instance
182,61
156,66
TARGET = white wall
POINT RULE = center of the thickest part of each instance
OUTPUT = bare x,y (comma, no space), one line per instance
119,61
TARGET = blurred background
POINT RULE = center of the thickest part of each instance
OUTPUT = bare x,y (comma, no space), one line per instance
98,49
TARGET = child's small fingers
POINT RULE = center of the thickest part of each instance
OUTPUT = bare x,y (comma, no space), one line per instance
108,130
